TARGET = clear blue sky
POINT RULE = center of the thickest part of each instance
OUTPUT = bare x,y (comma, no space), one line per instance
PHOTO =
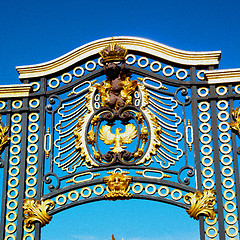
38,31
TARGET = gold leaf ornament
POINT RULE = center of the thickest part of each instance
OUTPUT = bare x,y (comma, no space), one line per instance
3,135
235,124
201,204
36,211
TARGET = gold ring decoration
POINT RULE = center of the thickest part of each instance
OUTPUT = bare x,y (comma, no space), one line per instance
229,215
33,135
160,191
33,127
227,191
14,130
230,210
213,229
225,145
29,230
15,193
88,194
15,149
208,181
50,83
130,56
101,190
210,222
207,164
73,198
222,118
230,169
11,219
236,89
221,128
28,181
10,236
32,148
60,203
201,106
222,107
11,171
69,78
176,191
207,117
32,162
100,62
184,76
203,91
11,225
199,74
17,104
17,160
34,103
230,180
155,69
137,185
226,135
35,89
170,73
203,138
13,185
9,203
16,118
207,175
2,105
77,69
90,68
31,170
33,117
150,186
26,236
203,126
203,149
143,59
31,189
229,232
219,92
15,139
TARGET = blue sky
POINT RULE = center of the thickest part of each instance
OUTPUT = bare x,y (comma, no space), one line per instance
38,31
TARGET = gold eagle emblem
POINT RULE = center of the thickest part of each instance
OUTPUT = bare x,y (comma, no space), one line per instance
118,139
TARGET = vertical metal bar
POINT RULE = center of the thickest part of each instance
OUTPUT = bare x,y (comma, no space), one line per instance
41,153
5,178
22,176
217,166
196,142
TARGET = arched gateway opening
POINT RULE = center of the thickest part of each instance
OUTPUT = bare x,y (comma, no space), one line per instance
118,119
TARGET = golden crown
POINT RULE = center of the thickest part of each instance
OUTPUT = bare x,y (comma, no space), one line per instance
113,52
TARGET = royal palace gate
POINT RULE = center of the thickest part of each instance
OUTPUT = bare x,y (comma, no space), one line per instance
121,118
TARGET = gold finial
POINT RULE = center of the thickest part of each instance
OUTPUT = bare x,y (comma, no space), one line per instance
113,52
36,211
201,203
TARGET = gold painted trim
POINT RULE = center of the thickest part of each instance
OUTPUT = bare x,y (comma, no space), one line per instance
132,44
16,90
222,76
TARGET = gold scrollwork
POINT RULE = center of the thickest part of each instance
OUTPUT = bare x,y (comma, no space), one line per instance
36,211
201,203
118,185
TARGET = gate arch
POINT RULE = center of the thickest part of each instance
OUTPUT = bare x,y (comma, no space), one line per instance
176,143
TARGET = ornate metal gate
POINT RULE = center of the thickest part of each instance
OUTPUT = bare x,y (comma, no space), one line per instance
121,118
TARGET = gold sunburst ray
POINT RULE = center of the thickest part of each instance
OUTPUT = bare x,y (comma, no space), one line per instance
166,155
159,101
73,107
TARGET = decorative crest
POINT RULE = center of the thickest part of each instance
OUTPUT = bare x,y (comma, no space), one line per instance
36,211
118,185
113,52
235,124
201,203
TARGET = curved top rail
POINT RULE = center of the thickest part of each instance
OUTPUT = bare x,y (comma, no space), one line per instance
141,45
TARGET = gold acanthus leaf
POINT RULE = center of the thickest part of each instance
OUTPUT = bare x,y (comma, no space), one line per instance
201,204
36,211
235,124
3,135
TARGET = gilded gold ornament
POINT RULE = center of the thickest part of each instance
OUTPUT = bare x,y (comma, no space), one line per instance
201,203
3,135
118,185
36,211
235,124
